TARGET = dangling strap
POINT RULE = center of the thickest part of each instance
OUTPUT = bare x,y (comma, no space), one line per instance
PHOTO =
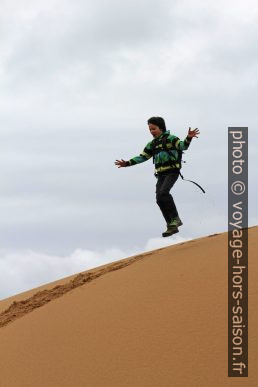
192,182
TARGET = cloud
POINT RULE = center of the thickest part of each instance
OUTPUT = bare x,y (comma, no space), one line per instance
78,81
72,46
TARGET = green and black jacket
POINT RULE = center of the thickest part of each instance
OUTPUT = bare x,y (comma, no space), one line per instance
163,160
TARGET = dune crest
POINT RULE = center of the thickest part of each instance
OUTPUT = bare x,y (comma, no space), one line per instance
162,320
19,308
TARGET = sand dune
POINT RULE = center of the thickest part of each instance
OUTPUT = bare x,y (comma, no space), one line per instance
155,319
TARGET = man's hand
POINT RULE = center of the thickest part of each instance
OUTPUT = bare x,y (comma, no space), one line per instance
193,133
120,163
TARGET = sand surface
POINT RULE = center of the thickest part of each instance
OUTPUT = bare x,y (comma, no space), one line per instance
155,319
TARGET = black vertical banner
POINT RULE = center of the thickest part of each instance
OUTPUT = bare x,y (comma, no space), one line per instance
237,251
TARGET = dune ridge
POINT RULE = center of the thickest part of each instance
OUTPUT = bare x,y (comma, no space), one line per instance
161,321
19,308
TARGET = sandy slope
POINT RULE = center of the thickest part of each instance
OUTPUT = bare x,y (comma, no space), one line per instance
156,319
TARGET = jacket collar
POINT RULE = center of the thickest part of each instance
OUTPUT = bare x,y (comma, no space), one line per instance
162,134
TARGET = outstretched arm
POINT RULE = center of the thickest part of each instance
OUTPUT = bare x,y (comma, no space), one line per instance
184,145
144,156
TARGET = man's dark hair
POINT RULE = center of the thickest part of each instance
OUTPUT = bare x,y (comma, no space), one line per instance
159,121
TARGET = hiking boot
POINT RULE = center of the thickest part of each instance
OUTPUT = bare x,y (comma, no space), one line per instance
170,231
176,222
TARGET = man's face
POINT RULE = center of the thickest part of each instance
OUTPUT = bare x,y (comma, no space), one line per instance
155,130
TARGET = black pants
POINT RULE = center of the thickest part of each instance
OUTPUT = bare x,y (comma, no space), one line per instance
164,199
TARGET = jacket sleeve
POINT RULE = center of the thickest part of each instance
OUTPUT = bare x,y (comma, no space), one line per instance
180,145
145,155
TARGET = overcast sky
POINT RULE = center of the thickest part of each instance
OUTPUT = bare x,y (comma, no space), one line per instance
78,82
